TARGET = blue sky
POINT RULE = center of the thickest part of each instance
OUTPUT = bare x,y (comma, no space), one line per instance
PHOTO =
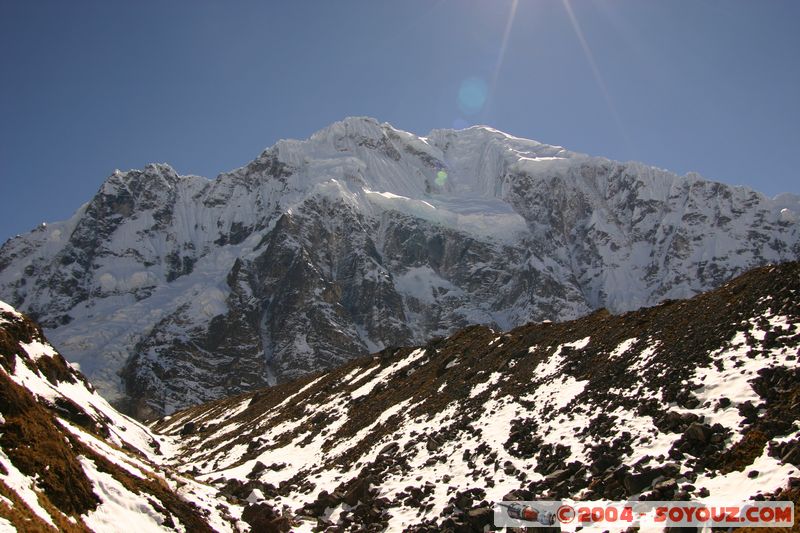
87,87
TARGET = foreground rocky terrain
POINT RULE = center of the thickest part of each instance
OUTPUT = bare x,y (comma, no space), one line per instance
691,399
70,462
688,399
171,290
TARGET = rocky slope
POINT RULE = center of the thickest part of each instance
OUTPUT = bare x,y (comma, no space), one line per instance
170,290
70,462
688,399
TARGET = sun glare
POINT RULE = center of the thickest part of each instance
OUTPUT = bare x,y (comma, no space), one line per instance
587,51
504,43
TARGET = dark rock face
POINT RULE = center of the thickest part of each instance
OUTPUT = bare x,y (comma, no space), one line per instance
603,407
262,518
171,290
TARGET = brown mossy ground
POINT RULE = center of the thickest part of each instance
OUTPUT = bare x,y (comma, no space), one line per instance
25,519
39,447
36,446
743,453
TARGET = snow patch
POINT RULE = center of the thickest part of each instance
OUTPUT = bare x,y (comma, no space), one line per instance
623,347
119,505
24,487
384,374
36,349
424,284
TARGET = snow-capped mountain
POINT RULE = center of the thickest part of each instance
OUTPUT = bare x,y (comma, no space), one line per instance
70,462
696,399
170,290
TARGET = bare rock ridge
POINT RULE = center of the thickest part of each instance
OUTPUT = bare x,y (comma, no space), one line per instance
172,290
694,399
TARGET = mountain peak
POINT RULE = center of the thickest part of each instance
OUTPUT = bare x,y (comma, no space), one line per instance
364,127
152,175
159,169
364,236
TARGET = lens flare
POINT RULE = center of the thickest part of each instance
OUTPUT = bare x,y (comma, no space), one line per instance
472,95
441,178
